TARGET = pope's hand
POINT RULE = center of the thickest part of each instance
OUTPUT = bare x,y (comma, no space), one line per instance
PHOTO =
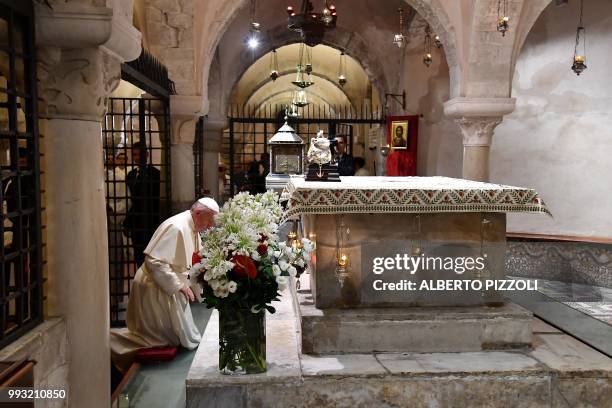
188,293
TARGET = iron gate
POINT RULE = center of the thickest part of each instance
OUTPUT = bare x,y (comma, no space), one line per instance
21,295
136,139
246,148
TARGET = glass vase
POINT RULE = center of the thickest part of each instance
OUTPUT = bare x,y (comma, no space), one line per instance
242,341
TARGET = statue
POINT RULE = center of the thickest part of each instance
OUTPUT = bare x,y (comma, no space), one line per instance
319,152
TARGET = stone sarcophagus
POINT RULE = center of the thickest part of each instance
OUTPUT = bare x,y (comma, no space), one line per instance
418,253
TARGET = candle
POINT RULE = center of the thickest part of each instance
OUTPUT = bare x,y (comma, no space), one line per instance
343,260
579,58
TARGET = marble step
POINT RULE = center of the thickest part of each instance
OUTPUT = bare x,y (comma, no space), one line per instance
422,330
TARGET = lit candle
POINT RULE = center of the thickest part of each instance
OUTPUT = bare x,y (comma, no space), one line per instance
579,58
343,260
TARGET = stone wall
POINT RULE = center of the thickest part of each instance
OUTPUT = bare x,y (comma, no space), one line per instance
46,345
170,38
558,138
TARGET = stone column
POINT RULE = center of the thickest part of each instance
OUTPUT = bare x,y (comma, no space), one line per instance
79,54
477,119
184,114
213,140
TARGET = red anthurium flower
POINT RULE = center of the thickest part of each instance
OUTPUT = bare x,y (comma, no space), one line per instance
195,258
244,267
262,249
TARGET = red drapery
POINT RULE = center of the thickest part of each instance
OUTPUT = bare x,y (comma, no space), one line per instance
403,162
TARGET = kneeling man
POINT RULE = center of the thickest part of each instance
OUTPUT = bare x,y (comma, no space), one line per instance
158,313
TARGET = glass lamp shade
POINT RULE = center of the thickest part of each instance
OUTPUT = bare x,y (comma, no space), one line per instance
503,25
398,40
579,64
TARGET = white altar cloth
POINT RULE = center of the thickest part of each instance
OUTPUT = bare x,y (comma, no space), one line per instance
407,195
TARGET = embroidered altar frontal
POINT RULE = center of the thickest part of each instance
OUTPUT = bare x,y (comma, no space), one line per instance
407,195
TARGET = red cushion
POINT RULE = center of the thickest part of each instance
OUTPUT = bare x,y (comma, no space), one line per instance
153,355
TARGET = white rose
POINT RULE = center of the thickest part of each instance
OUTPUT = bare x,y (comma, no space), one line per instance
292,271
232,286
276,270
283,265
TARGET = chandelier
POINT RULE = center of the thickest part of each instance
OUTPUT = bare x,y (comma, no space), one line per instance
304,68
312,25
579,64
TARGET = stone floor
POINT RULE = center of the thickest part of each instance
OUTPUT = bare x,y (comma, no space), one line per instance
592,300
163,385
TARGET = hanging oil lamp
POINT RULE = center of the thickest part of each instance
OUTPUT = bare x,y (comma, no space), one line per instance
437,41
342,70
398,38
274,66
427,58
579,63
502,18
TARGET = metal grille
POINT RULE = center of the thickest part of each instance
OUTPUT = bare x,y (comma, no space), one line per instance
250,129
137,147
21,283
198,159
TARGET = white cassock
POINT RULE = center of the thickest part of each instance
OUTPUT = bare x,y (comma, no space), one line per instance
158,314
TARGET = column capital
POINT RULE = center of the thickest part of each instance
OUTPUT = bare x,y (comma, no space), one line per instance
478,131
187,106
478,107
76,25
185,110
75,83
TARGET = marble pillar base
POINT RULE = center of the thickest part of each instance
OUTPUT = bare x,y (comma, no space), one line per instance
421,329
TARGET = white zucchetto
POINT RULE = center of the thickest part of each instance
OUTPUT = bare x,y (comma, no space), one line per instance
209,203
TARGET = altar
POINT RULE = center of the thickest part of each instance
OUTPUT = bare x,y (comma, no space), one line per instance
416,256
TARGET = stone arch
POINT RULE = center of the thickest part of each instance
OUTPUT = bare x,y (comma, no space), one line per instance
531,12
217,15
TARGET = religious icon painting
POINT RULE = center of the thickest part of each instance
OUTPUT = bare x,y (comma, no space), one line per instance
399,135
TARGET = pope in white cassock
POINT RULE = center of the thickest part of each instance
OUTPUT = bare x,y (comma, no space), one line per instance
158,313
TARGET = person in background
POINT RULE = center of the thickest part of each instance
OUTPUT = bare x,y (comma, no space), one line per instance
360,169
143,216
346,166
117,203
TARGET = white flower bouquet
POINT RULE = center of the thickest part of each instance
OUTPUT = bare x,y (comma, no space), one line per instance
242,261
